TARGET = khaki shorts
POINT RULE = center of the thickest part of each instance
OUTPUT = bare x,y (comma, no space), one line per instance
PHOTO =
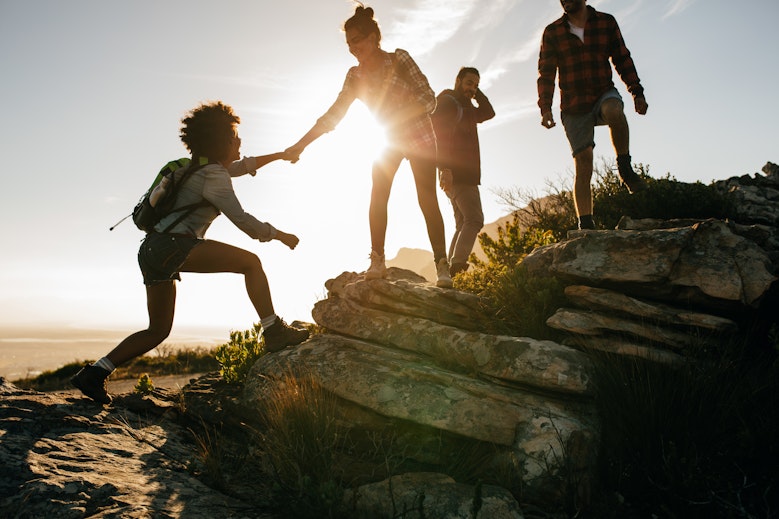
580,128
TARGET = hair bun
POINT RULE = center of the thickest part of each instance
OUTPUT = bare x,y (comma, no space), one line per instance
361,10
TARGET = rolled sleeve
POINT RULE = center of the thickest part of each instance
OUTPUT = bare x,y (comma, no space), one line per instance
218,190
423,93
338,109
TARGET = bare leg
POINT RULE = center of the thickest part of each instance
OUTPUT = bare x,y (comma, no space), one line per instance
425,179
213,256
582,192
613,113
384,170
160,304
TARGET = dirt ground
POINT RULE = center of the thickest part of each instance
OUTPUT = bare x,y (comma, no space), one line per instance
126,385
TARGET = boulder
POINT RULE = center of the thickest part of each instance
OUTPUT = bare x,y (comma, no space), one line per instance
525,397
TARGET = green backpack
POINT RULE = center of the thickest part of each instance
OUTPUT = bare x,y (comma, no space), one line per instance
158,201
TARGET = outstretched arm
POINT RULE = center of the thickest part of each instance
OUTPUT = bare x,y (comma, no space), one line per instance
292,153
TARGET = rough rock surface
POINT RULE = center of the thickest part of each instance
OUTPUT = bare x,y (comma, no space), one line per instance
65,456
530,398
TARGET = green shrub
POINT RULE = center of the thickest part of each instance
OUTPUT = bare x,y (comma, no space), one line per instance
665,198
516,303
145,385
236,357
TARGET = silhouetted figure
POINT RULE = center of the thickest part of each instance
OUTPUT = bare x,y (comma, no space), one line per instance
579,46
209,133
459,159
399,96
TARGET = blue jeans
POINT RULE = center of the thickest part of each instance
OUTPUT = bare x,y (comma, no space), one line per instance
468,219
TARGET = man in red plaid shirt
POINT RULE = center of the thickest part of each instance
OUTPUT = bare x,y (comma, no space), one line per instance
579,45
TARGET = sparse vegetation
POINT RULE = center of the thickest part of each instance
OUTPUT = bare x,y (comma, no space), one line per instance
163,361
237,356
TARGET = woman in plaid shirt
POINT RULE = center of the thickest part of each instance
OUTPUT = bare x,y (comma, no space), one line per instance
399,96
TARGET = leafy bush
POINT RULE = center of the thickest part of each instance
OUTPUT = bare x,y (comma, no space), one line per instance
516,303
236,357
665,198
145,385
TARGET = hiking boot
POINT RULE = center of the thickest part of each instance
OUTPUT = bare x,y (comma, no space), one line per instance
456,268
630,178
378,269
442,273
279,335
91,381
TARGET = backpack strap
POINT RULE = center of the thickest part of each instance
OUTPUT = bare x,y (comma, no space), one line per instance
186,210
459,109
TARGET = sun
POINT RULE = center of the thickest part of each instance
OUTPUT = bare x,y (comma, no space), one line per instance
359,138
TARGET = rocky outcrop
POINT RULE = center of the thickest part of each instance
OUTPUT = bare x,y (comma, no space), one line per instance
658,289
402,351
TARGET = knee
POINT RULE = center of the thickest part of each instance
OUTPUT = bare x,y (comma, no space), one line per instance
613,111
251,263
158,332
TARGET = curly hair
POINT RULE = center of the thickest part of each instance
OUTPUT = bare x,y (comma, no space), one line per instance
208,130
363,21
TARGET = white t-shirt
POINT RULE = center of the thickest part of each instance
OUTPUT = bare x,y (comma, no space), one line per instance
577,31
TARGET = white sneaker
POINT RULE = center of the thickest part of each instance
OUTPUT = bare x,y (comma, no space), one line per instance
442,271
378,269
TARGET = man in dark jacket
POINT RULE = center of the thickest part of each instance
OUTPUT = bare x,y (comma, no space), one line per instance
579,46
459,160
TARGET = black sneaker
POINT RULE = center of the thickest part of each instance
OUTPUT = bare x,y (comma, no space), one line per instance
279,335
630,178
91,381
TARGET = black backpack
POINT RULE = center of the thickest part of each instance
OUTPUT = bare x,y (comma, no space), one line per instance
160,198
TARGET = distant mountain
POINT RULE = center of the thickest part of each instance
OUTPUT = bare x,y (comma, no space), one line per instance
421,261
415,260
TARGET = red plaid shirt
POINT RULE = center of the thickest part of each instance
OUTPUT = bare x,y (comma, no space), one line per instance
585,71
386,91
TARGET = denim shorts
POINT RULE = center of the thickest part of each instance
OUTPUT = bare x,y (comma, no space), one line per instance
161,256
580,128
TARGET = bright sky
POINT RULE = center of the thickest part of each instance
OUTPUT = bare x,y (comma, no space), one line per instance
93,92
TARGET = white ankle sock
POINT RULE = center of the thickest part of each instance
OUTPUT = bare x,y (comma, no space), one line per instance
105,364
267,321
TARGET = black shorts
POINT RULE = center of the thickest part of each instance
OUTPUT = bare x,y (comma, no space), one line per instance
161,256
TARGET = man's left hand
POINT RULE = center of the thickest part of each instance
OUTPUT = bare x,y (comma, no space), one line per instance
641,105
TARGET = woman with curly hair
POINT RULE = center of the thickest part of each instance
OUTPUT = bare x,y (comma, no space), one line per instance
399,96
209,133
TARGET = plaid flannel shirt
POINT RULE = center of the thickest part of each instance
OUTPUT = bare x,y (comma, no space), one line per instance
385,91
585,71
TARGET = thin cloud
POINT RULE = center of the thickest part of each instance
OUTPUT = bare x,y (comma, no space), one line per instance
504,62
491,13
676,7
431,22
